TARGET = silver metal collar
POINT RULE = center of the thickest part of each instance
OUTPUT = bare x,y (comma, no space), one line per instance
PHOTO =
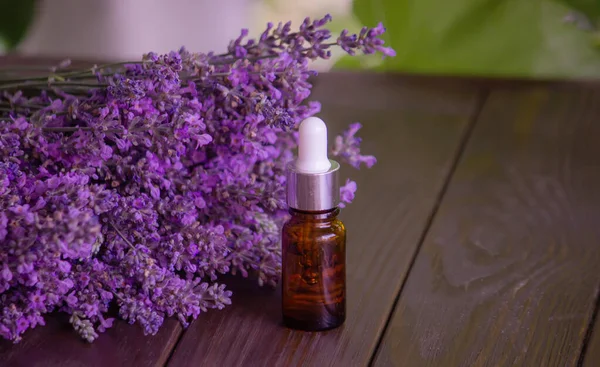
313,191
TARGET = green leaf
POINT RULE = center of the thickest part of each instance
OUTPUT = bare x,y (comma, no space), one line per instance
524,38
15,18
590,8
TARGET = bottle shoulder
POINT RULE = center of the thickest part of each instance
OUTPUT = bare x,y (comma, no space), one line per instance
333,230
312,222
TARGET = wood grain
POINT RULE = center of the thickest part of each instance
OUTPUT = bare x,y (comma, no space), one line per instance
591,357
508,274
57,345
415,130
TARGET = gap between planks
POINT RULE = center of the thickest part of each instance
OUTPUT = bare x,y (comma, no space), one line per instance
590,331
482,97
175,345
507,274
446,104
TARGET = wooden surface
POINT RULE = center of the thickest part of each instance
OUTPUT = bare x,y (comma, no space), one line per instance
591,351
475,241
57,345
415,146
508,271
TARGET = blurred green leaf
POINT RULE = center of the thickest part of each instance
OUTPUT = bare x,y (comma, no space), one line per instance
590,8
15,18
526,38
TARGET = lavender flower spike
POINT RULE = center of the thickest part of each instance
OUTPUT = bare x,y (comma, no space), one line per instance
138,186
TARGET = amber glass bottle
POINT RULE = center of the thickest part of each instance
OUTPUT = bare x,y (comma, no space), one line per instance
314,274
313,239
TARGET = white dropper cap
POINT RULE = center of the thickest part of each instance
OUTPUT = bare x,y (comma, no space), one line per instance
312,146
313,180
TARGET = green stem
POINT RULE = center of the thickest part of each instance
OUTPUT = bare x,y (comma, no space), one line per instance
197,78
11,105
74,74
66,78
91,70
50,84
34,68
18,68
66,129
228,61
122,235
89,73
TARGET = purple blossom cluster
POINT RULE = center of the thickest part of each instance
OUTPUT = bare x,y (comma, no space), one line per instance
139,185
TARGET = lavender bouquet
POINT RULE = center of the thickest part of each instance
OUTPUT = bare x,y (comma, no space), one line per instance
137,184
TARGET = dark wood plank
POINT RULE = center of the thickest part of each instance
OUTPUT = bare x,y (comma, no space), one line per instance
508,273
57,345
591,358
415,129
591,353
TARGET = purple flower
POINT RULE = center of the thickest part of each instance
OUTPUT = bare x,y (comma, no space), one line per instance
202,140
6,273
106,152
347,146
347,193
367,41
23,212
20,123
22,325
3,226
105,323
71,300
127,89
37,301
64,266
140,195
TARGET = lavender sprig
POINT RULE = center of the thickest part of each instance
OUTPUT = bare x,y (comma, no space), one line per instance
140,184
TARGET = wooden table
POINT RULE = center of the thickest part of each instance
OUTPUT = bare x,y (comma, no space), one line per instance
475,241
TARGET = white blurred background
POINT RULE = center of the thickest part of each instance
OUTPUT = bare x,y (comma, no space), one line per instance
125,29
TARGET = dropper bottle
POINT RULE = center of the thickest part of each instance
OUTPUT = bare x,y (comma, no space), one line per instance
313,239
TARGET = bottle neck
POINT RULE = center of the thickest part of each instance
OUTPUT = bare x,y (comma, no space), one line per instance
313,191
323,215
